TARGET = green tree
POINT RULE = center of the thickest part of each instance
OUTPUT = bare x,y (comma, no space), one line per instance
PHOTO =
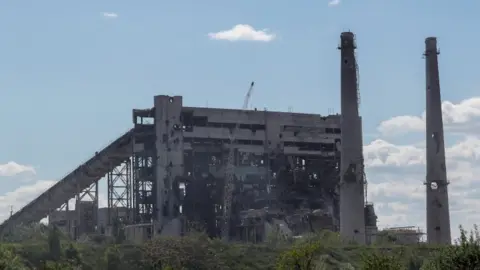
72,255
9,260
300,256
54,246
376,260
464,255
118,231
190,252
112,258
414,262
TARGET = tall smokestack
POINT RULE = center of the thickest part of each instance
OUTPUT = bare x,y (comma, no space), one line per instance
438,214
352,219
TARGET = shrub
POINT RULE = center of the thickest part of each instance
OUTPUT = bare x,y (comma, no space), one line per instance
376,260
465,254
300,257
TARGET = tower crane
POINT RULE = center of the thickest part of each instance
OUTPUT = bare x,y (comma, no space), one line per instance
230,174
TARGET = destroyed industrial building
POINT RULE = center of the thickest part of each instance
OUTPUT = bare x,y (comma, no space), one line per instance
240,174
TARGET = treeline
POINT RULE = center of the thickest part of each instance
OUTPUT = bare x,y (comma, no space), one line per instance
39,247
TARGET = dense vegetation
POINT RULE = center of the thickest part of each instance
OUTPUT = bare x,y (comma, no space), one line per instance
39,247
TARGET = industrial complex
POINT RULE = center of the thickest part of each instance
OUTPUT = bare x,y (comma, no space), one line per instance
242,174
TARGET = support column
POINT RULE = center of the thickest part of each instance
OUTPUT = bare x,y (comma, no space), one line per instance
169,145
86,207
119,193
438,214
352,219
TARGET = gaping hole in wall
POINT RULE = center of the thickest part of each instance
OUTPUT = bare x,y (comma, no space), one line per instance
434,185
170,100
144,120
332,131
345,61
262,183
338,144
350,174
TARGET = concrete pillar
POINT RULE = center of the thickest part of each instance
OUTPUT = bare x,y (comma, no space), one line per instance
169,145
438,214
352,219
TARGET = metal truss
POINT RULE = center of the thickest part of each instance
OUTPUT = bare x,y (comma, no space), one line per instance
119,185
89,194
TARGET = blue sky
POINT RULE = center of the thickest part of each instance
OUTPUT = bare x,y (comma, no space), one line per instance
69,76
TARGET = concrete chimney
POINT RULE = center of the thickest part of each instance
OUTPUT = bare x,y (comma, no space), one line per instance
352,198
438,214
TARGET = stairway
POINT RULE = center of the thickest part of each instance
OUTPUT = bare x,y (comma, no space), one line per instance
82,177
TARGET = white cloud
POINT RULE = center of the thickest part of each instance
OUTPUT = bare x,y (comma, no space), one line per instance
21,196
462,117
396,172
381,153
399,125
12,168
243,32
334,3
110,15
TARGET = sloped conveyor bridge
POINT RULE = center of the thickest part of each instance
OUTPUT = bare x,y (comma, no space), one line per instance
88,173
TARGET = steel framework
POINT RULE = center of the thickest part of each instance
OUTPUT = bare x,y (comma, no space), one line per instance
86,207
119,183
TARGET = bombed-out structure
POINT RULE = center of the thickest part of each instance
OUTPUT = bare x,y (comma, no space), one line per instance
286,166
240,174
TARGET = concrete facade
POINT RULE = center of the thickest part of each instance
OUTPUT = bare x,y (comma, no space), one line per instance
352,199
191,145
68,221
169,163
438,214
263,141
139,233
